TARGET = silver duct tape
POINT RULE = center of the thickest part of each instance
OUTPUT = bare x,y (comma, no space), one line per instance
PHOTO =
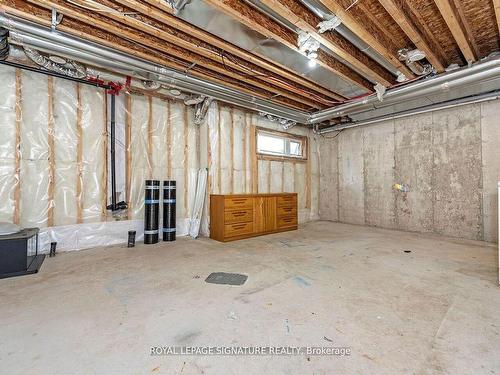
151,231
169,188
169,230
169,201
152,201
152,187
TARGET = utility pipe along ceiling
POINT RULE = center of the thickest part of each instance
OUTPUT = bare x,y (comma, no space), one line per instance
312,62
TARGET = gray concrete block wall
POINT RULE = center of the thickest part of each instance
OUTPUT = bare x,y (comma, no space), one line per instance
449,159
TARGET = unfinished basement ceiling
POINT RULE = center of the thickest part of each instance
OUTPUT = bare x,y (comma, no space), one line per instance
251,46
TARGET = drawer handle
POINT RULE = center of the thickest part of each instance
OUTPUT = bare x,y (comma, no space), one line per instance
239,226
287,209
287,220
238,214
239,200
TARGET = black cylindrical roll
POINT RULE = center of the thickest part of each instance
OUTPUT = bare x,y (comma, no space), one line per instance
169,210
151,211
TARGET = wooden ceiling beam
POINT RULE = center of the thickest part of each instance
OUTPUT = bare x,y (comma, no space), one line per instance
421,23
164,15
92,34
370,39
307,22
455,19
195,39
496,6
405,23
273,30
176,46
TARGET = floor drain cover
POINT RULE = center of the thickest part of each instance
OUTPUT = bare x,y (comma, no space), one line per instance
226,278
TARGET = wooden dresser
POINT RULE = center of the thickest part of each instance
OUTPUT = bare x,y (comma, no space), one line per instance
233,217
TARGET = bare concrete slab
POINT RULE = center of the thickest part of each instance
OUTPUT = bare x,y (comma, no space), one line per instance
433,310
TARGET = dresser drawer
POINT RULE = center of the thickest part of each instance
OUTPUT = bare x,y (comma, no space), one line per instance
287,200
287,211
238,229
234,203
238,216
287,221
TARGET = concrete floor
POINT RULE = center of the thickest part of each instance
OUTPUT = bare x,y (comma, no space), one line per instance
435,310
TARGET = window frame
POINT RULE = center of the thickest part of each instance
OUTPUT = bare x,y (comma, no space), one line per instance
294,137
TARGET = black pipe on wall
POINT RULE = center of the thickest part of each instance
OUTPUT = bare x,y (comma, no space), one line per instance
54,74
113,156
169,208
151,211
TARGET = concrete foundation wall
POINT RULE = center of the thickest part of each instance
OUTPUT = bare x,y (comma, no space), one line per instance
449,160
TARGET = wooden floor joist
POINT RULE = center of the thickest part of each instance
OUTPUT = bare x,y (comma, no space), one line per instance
452,17
307,21
166,41
271,29
421,24
372,40
212,47
88,32
496,5
405,22
254,57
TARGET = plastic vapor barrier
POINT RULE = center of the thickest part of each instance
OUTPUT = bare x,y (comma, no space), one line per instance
163,146
55,171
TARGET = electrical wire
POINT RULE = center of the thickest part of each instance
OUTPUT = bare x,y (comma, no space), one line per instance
350,6
335,136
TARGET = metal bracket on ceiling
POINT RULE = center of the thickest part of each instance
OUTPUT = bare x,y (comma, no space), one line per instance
56,19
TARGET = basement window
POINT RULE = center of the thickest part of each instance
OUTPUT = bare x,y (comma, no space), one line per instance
273,144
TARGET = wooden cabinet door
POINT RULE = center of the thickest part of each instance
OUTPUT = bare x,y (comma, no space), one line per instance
265,214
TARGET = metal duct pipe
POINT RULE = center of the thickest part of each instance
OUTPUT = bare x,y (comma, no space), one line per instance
418,111
43,38
458,78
